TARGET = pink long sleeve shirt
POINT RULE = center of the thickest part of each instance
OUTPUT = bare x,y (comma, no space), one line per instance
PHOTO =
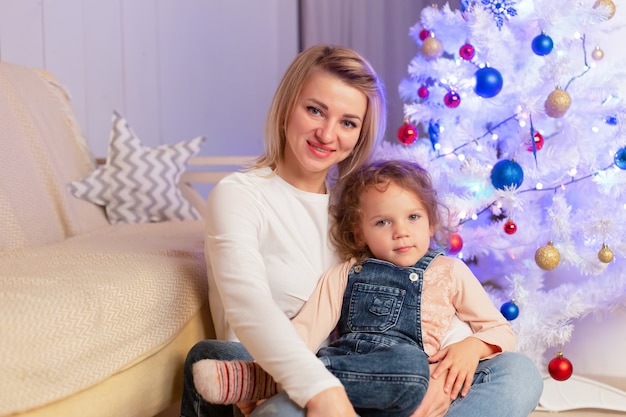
450,288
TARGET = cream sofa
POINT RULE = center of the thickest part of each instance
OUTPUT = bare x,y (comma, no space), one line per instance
95,318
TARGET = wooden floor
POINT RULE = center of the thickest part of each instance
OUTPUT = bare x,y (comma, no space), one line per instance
173,411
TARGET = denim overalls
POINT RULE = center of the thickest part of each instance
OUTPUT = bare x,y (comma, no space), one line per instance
379,354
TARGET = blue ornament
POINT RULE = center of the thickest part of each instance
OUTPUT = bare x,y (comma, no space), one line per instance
488,82
507,173
542,44
620,158
433,133
611,120
466,5
509,310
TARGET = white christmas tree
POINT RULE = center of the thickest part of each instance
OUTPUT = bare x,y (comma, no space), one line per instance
516,112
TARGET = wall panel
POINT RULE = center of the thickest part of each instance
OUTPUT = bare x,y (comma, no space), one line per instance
140,58
21,32
175,69
104,75
64,51
186,74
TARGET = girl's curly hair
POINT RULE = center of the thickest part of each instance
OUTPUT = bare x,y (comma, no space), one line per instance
346,207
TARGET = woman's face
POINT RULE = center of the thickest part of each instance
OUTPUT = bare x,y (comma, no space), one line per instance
323,127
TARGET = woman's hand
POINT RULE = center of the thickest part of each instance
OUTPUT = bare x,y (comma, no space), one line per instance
247,408
332,402
436,401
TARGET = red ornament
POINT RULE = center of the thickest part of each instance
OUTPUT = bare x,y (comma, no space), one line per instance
539,141
407,133
452,100
467,52
424,33
423,92
455,243
510,227
560,368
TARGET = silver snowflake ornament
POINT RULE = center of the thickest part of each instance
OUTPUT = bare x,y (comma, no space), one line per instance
500,9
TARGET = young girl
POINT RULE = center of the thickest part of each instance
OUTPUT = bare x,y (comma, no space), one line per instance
392,302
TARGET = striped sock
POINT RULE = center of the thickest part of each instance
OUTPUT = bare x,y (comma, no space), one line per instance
230,382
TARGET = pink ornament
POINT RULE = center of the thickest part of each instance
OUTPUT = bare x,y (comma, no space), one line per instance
467,52
456,243
452,100
424,33
423,92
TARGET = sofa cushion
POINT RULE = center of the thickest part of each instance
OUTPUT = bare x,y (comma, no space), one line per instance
139,184
41,150
75,312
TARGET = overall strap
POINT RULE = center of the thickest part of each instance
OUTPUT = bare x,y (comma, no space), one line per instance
423,263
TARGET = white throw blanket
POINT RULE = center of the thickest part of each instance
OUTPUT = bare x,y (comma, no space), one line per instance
74,313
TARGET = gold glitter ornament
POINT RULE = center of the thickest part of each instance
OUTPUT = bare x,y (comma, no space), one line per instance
608,4
557,103
432,48
597,54
547,257
606,254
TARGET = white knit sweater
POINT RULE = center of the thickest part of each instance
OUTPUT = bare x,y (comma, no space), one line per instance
267,246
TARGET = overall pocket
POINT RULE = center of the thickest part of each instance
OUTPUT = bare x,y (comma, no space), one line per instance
374,308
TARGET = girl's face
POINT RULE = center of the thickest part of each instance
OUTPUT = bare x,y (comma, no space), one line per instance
394,225
322,130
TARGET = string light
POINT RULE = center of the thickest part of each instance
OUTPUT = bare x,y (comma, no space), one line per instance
540,187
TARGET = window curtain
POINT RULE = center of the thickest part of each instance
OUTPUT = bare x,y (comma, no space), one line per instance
377,29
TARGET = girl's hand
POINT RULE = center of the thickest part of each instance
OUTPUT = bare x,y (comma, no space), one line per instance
459,362
332,402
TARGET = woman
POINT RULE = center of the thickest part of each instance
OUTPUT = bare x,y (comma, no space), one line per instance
266,240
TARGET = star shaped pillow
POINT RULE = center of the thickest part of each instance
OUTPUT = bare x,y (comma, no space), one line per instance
139,184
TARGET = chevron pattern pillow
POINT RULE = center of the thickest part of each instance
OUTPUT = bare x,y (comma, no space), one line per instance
139,184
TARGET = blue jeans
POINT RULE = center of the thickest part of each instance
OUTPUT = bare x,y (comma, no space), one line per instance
193,405
507,385
367,377
380,380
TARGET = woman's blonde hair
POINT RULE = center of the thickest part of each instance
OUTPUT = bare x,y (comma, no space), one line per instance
352,69
346,210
